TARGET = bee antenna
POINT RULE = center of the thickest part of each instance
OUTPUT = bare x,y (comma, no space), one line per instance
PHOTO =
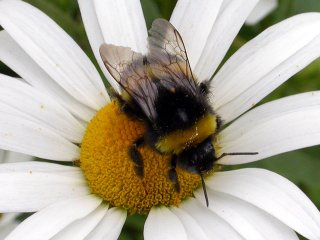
204,189
237,153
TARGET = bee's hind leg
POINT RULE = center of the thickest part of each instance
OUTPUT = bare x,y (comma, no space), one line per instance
136,156
173,176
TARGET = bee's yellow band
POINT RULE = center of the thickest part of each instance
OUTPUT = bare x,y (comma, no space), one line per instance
179,140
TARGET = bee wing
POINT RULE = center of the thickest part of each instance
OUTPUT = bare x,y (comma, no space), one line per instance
129,69
168,57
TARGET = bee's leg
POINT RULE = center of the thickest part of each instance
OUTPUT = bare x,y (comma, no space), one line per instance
124,106
128,108
136,156
173,173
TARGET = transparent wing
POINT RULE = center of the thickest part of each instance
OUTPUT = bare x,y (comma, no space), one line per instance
168,57
165,66
129,69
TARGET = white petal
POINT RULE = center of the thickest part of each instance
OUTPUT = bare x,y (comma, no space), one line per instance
163,224
213,226
122,23
49,221
43,167
25,136
82,227
118,22
11,157
110,226
91,24
191,226
276,127
40,108
249,221
14,57
7,224
194,21
52,49
273,194
231,17
263,8
264,63
2,155
31,186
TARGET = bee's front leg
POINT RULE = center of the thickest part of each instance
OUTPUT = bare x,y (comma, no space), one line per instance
173,173
129,108
205,87
136,156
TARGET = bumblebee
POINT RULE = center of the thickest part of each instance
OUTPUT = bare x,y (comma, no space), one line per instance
160,90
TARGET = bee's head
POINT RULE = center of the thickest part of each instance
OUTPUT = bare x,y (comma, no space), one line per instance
199,159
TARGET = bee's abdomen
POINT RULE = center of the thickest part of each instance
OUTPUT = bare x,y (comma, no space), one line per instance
177,141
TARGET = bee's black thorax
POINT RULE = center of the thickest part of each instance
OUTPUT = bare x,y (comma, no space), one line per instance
178,109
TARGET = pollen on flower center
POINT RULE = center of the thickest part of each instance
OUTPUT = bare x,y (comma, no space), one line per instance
110,171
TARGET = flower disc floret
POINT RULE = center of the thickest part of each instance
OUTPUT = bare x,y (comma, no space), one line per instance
110,172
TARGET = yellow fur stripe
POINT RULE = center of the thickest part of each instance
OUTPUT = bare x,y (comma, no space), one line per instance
179,140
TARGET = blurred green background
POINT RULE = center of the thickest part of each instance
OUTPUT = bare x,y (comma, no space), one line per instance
302,166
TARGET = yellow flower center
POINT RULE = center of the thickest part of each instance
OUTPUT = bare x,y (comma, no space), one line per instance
110,170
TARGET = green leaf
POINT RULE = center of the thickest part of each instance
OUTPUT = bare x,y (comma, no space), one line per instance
133,228
306,6
151,11
166,7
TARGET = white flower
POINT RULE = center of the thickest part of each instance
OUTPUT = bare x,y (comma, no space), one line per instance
48,116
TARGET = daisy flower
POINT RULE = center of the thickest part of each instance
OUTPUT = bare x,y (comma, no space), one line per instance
62,112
